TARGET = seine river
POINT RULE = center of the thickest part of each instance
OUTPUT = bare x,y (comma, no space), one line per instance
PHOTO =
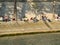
33,39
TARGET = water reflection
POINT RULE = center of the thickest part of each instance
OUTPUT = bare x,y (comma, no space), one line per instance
37,39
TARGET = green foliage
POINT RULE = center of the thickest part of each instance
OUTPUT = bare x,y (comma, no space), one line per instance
35,6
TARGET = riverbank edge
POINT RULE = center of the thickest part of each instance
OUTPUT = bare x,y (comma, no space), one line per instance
28,33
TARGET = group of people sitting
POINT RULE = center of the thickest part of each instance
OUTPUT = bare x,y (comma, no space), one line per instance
44,18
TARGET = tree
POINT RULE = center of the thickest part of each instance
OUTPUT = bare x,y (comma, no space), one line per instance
23,11
15,10
37,7
3,9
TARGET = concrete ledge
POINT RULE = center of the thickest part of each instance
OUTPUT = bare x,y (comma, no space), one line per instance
13,28
27,33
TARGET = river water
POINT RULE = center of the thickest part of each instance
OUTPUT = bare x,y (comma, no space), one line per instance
33,39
